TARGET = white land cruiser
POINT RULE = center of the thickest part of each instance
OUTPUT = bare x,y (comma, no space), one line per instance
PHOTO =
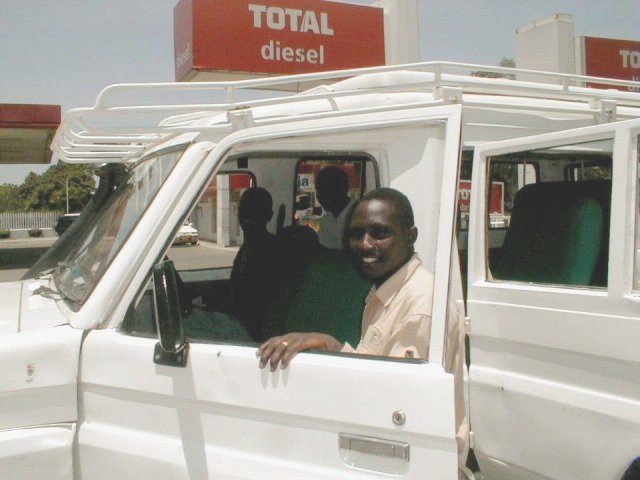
526,198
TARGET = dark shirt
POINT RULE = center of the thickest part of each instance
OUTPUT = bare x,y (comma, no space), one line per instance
254,280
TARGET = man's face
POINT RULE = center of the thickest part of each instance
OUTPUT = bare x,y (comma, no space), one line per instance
378,241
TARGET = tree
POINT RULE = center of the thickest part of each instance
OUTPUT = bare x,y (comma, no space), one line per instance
10,200
49,190
505,62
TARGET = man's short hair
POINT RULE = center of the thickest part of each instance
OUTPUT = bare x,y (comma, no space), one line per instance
334,178
256,204
399,201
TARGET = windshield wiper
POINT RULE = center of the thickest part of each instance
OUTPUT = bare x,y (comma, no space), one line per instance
47,292
61,270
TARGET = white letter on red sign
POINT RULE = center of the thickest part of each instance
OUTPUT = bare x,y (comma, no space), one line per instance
257,11
294,15
310,23
275,18
325,29
630,58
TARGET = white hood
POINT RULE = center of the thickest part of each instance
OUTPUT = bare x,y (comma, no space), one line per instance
23,307
10,295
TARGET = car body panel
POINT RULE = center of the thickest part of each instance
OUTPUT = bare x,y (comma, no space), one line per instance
39,401
306,407
555,368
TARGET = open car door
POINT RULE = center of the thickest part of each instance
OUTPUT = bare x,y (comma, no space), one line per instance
327,416
554,307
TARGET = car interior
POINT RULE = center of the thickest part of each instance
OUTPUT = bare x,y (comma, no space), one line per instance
548,224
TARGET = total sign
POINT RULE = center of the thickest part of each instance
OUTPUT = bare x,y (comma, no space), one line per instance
611,58
275,36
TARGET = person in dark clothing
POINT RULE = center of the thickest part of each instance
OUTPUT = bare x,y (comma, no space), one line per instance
332,190
255,276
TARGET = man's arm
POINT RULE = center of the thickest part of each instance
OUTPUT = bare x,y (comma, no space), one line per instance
280,350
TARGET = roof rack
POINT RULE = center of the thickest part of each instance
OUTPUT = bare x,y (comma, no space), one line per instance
128,119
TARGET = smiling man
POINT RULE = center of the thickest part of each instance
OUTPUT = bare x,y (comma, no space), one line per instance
397,315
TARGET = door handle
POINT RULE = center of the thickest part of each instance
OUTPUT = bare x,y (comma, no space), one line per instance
376,454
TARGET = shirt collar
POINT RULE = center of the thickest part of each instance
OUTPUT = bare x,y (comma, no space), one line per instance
388,290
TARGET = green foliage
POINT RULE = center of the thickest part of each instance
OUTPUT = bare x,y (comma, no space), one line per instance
49,190
10,200
35,232
5,233
595,172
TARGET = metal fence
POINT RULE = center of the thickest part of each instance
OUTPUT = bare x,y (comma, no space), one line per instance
25,220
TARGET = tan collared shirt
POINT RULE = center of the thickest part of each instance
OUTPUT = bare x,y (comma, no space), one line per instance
397,322
397,315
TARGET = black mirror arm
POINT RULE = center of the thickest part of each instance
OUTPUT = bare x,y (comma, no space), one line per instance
172,348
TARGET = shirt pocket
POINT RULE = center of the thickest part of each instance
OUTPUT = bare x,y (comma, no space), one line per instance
373,341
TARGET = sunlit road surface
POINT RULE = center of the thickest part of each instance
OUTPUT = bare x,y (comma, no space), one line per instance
203,255
185,257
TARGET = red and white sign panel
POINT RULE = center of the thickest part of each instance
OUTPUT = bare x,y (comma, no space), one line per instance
611,58
183,38
496,199
276,36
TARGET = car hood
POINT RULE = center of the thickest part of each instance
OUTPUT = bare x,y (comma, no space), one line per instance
10,296
23,307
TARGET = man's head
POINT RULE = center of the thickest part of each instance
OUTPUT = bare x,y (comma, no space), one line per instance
332,189
255,209
381,233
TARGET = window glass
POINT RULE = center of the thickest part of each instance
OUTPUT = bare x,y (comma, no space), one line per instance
279,277
308,209
96,245
464,191
556,206
580,171
216,212
506,179
636,281
212,257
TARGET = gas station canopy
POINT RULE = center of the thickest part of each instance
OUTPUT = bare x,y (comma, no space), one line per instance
26,132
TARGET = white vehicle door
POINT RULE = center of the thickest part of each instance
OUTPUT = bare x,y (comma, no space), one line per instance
554,308
38,400
326,416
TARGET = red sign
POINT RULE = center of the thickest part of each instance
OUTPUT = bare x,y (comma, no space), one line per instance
610,58
13,115
276,36
496,199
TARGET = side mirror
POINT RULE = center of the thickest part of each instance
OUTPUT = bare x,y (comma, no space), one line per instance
172,348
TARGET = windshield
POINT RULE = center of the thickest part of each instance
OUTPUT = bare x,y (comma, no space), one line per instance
96,246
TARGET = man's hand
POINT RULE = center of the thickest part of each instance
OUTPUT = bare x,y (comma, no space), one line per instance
280,350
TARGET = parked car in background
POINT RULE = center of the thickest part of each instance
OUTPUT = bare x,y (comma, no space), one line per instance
64,222
186,234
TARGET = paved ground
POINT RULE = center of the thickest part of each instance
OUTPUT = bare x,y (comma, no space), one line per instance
204,255
17,256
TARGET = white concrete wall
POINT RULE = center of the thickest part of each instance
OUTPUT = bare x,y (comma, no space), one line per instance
401,42
546,45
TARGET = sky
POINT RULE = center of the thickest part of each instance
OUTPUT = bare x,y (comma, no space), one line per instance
66,51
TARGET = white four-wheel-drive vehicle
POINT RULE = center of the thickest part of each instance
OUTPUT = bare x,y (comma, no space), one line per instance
119,362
